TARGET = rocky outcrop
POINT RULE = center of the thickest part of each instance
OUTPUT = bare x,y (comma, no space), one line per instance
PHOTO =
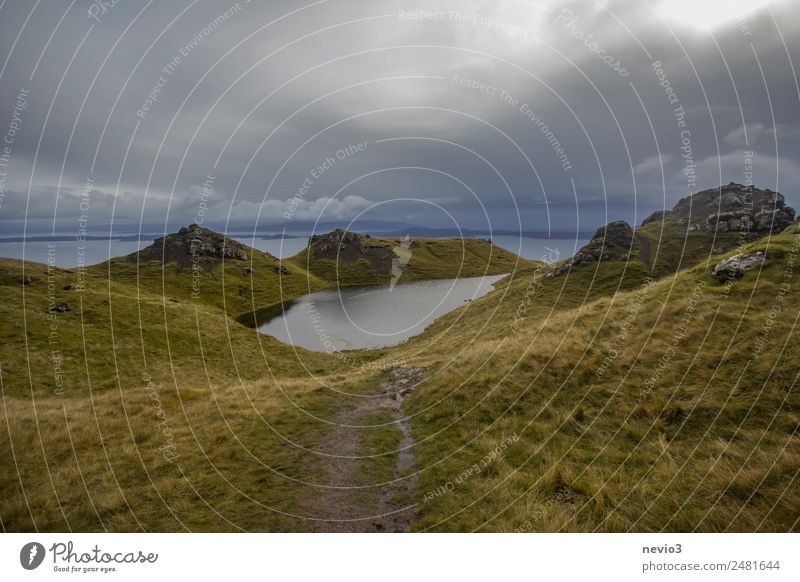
657,216
736,266
733,213
762,222
732,208
346,246
192,245
611,242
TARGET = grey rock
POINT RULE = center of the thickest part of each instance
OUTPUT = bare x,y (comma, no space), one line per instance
192,245
611,242
657,216
736,266
743,209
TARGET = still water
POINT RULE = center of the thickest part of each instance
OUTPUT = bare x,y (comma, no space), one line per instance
540,249
371,317
67,254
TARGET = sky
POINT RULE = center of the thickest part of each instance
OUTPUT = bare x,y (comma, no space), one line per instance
463,114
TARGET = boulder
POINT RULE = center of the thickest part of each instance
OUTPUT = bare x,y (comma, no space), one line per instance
736,266
738,209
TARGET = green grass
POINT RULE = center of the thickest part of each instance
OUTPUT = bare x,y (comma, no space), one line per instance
379,443
515,387
236,288
674,248
431,258
711,456
120,332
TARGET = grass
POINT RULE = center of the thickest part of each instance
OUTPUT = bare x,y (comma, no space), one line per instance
379,443
712,445
675,248
522,384
120,332
431,258
236,288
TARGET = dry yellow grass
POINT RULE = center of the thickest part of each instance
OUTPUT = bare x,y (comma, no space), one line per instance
574,415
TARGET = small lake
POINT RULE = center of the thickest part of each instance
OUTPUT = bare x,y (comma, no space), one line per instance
371,317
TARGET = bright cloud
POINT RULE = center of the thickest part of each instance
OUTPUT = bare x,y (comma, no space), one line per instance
708,14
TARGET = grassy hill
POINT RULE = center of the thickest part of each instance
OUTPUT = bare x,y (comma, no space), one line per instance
649,409
617,392
710,223
346,258
207,268
167,307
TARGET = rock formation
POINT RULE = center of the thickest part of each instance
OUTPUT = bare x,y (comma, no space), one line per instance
611,242
192,245
342,245
733,208
736,266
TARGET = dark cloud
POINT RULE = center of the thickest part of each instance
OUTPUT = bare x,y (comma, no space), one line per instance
483,113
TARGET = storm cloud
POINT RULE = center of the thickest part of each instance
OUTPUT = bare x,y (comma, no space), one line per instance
483,114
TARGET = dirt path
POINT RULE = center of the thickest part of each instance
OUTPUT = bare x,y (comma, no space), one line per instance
349,502
645,250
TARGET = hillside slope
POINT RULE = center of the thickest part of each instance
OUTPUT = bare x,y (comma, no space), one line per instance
348,258
671,406
601,398
199,265
709,223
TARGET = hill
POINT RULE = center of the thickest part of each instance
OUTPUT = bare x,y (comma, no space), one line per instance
668,406
618,394
199,265
347,258
709,223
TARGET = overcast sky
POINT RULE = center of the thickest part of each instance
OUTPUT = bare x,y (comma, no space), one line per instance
479,114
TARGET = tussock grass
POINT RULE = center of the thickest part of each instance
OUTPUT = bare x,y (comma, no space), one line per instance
592,442
711,446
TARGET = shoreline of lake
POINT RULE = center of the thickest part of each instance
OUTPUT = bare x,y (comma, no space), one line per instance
370,317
